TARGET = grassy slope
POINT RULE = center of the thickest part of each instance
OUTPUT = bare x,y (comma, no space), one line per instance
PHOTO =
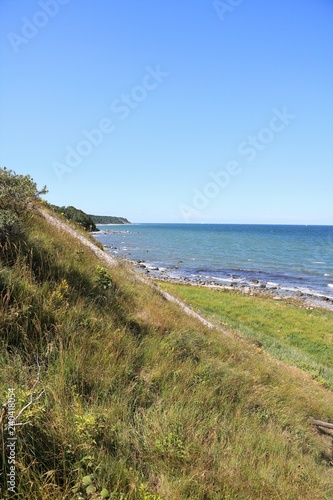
140,397
289,331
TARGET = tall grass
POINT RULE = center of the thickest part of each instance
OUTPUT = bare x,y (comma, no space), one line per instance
141,401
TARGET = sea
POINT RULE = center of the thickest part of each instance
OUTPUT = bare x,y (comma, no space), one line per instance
295,259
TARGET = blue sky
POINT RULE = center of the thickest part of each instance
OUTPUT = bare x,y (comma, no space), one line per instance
177,111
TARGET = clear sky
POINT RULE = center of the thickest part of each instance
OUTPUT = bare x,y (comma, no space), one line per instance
172,111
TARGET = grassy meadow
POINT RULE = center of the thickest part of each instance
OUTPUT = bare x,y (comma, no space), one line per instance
141,401
289,330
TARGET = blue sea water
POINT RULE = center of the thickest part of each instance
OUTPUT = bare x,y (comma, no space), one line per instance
294,258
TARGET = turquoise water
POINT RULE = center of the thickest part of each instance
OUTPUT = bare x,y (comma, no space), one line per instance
295,258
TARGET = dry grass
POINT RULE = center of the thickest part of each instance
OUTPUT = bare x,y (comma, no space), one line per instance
140,399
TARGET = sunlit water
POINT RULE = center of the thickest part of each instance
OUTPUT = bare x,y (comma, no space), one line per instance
287,257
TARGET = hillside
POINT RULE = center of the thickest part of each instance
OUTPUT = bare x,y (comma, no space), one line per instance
76,215
108,219
290,330
124,396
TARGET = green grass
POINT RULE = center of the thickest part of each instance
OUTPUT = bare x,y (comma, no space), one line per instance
141,400
290,332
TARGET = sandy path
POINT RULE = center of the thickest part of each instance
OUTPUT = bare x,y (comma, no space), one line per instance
111,261
62,226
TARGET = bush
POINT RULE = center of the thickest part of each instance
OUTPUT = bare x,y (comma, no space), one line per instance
18,195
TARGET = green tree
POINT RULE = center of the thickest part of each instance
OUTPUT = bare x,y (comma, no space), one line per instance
76,215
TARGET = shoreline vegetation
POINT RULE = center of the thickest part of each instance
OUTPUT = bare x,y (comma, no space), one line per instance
119,394
107,220
87,221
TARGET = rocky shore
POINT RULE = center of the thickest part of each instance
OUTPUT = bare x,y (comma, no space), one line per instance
252,287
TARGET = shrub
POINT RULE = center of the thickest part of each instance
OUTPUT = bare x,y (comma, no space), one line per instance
18,195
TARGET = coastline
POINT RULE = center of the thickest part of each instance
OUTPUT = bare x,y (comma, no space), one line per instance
102,231
303,299
184,255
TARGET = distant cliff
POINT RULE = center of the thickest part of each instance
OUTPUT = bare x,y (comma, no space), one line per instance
108,219
76,215
88,221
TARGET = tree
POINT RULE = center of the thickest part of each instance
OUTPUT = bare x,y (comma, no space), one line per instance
76,215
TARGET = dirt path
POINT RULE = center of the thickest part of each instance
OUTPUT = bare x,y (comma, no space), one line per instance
190,312
111,261
62,226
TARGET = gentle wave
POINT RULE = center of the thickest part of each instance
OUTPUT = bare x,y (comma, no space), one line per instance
242,255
